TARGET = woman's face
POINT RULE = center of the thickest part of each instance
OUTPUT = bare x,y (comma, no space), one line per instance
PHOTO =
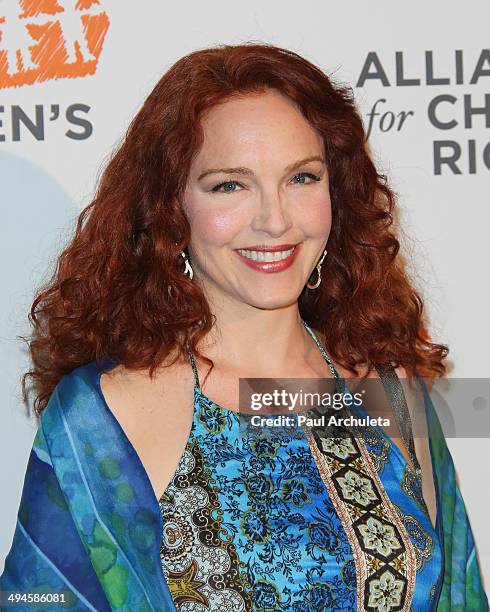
259,180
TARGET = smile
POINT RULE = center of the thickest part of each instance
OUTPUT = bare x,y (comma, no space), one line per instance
267,261
266,255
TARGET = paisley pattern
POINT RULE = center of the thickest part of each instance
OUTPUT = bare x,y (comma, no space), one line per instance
271,514
201,564
292,520
247,522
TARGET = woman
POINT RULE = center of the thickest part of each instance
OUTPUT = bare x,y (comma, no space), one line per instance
143,491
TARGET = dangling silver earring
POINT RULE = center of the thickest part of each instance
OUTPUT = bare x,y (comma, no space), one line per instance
319,271
188,268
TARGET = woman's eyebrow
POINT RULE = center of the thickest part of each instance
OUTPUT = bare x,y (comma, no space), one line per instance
248,172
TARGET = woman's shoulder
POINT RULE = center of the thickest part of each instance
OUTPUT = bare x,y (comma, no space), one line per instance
76,398
361,367
409,384
343,371
85,379
106,394
136,399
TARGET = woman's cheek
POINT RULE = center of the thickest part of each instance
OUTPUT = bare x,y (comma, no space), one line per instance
314,215
219,226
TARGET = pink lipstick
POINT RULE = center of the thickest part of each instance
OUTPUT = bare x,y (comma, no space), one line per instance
266,258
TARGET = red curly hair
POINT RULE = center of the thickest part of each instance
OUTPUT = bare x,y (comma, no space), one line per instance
108,295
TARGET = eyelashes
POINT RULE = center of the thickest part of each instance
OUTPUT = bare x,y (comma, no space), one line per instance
216,188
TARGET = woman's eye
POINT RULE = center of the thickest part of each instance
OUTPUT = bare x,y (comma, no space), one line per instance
228,187
303,175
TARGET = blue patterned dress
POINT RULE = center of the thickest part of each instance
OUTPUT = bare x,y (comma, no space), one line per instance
295,522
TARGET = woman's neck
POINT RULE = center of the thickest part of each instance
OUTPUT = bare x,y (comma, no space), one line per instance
260,341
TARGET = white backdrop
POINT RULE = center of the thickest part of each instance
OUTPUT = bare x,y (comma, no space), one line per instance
421,75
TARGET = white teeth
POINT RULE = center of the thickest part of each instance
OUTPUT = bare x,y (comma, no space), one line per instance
267,256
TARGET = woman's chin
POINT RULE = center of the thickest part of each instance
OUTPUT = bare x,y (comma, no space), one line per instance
271,301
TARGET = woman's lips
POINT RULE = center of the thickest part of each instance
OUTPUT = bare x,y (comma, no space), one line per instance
271,266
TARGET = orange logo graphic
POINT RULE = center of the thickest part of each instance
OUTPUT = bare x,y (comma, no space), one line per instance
42,40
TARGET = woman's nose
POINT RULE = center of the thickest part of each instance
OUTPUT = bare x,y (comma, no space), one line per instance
271,215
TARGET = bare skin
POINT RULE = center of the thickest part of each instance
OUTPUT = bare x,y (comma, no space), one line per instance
259,179
156,415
